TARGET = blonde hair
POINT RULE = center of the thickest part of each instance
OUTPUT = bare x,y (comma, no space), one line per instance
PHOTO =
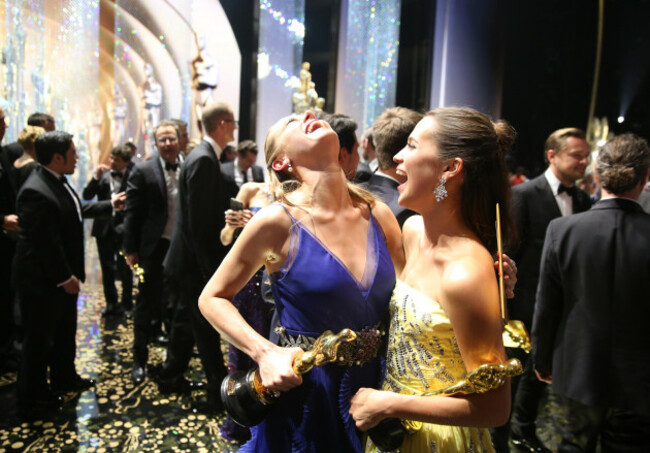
282,183
27,137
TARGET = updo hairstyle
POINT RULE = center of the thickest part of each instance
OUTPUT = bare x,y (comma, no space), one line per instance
622,163
481,144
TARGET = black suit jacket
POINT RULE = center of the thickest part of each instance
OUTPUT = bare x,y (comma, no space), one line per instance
145,215
14,151
644,201
50,245
195,251
591,320
386,189
101,188
7,185
534,206
228,171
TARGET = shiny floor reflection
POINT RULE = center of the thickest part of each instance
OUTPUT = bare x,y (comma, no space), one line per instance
116,415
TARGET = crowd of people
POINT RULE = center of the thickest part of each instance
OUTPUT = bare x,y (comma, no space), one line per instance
399,246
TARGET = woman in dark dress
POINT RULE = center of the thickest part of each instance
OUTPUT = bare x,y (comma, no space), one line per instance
327,246
249,301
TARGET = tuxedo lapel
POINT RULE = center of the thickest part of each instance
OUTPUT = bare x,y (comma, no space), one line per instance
160,179
547,201
127,171
61,194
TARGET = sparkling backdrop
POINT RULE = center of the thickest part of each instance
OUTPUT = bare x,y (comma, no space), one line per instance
22,62
281,39
39,41
50,62
368,50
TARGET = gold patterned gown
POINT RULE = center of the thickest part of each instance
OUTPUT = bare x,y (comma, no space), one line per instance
423,356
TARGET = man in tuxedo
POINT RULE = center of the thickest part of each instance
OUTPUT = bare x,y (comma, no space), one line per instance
196,252
590,332
391,131
537,202
8,233
243,168
151,205
369,164
48,269
183,136
47,122
108,232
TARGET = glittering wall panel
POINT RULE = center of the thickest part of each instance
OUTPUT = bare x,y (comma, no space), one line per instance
367,67
281,37
50,63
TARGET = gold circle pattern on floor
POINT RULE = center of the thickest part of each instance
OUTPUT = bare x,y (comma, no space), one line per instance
115,415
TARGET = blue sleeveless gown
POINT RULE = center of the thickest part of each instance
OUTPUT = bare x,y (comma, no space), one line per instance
315,292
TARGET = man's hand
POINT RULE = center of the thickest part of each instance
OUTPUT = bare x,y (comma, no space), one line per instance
237,219
544,377
118,201
99,171
72,286
132,259
509,275
11,223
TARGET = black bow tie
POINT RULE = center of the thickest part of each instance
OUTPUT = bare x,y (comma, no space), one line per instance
169,166
116,174
571,191
63,179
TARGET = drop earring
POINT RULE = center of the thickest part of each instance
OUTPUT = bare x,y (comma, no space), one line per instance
441,192
290,168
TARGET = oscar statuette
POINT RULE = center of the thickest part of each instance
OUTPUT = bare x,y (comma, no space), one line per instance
247,401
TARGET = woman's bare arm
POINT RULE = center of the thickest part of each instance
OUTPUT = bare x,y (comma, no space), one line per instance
470,299
263,242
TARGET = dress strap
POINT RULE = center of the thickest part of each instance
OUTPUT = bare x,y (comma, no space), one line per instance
293,219
294,240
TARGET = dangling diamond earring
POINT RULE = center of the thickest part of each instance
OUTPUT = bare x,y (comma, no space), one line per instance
290,168
440,192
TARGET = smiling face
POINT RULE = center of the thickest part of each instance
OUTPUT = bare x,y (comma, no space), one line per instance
571,162
420,163
302,141
166,139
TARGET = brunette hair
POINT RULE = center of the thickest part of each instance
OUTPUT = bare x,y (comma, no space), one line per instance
623,163
391,132
481,144
284,182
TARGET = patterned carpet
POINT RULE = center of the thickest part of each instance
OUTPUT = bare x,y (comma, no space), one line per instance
117,416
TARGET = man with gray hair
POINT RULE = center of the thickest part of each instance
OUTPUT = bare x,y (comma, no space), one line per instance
196,252
590,333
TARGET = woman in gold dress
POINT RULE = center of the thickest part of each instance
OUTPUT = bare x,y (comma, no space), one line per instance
445,316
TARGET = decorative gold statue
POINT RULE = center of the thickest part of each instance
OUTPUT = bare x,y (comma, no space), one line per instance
306,98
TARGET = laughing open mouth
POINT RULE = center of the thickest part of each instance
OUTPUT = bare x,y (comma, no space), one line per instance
312,125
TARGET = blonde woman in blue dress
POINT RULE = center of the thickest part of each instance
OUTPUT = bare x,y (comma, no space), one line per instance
445,316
